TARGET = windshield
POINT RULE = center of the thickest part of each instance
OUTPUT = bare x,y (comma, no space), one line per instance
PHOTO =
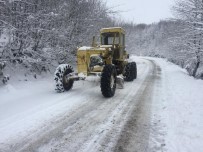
108,38
95,60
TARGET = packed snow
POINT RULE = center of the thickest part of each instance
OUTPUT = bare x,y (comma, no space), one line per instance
178,114
29,107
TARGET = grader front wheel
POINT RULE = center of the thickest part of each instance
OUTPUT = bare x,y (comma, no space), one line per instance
61,78
129,75
134,65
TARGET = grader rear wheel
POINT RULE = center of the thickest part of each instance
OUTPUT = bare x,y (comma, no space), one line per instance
129,74
61,78
108,81
134,66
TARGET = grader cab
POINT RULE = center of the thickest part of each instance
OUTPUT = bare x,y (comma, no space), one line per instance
107,60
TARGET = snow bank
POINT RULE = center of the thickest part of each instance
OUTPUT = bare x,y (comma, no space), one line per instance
25,106
178,110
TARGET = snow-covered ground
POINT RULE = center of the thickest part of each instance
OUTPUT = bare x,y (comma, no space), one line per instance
178,116
34,117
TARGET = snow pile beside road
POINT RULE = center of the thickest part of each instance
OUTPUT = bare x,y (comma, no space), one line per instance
178,110
27,106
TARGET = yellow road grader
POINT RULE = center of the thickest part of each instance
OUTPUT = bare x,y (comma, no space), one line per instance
109,61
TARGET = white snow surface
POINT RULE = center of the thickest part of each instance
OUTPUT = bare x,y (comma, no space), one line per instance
177,110
178,116
85,48
27,106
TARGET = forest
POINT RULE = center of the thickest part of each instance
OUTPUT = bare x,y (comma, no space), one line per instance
38,35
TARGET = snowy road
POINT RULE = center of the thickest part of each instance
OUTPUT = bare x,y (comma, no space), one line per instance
33,117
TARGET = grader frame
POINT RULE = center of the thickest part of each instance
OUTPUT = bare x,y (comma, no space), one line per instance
108,60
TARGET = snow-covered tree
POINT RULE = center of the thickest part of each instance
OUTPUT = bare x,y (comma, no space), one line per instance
190,13
42,33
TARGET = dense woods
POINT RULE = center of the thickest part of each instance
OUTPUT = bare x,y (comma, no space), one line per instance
180,40
40,34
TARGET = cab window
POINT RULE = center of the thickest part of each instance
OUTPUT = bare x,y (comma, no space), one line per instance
108,38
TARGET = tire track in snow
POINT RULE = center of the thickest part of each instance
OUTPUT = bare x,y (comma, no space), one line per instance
89,132
95,123
109,135
135,134
52,127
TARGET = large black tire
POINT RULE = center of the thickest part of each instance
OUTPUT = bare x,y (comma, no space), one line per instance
134,70
62,83
108,81
129,72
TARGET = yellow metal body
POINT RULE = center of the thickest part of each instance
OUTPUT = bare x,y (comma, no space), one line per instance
112,30
114,52
83,58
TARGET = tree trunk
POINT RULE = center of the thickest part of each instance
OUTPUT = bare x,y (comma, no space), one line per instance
195,69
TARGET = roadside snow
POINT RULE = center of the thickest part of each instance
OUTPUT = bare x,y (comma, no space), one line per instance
27,106
176,119
177,123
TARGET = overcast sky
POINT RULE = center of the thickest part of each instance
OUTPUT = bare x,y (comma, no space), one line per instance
142,11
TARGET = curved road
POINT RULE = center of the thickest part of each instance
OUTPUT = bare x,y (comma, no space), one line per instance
121,123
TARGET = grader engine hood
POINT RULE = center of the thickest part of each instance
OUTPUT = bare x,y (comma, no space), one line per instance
106,46
88,59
